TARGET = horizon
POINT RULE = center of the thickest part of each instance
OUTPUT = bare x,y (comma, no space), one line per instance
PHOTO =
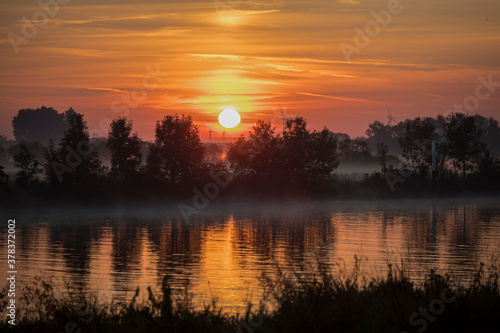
229,139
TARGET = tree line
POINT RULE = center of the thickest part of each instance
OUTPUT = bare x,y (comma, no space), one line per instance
298,160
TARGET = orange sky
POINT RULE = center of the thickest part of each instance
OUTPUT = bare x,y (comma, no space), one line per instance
251,56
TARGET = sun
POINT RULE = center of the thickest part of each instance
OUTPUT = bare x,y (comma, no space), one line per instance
229,118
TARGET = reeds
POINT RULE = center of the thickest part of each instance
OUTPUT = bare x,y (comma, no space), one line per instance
320,299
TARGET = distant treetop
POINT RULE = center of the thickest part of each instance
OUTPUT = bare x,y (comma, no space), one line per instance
41,124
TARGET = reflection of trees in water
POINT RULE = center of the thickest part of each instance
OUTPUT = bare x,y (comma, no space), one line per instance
178,246
462,236
73,239
28,237
471,230
388,220
434,235
447,235
127,246
296,237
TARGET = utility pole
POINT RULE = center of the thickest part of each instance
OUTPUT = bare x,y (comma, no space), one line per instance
210,135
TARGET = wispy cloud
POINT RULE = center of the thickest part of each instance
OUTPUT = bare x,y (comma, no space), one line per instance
350,99
270,53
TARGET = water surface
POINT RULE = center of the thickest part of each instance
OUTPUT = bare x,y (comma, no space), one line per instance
223,252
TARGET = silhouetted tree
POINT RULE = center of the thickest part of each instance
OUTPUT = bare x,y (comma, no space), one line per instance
416,145
464,141
4,178
101,146
323,157
53,163
213,153
125,149
3,154
296,143
356,149
340,136
256,157
488,172
35,148
76,162
40,124
380,133
176,156
382,150
307,158
490,133
28,166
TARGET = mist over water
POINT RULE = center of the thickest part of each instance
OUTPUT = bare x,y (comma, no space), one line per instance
223,252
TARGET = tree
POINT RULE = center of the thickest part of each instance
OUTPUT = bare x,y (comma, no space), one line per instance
416,145
488,173
307,158
213,153
464,141
35,148
323,158
176,156
3,152
299,158
53,163
378,133
40,124
382,150
4,178
356,149
28,165
125,149
76,162
296,145
490,133
256,157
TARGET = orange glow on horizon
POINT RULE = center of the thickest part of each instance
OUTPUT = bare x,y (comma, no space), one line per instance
252,57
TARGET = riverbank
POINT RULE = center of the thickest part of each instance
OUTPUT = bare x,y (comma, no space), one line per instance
316,299
375,186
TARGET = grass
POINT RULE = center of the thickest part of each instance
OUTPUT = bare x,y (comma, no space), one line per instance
316,300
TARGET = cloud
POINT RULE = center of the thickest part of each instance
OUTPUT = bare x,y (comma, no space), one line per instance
351,2
350,99
269,53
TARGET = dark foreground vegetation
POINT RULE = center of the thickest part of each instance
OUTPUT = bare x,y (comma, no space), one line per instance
55,159
310,300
